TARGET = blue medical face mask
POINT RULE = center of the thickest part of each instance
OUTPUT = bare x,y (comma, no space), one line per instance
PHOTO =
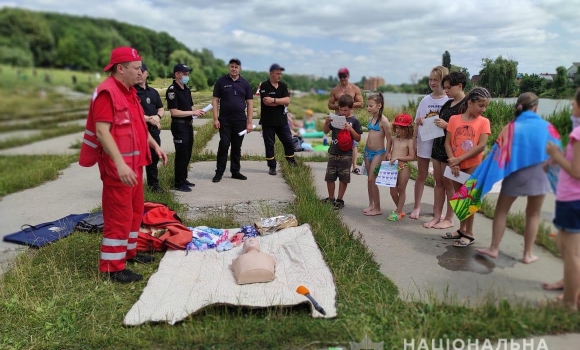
185,79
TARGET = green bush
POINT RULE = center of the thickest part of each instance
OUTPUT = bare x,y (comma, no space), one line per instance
562,123
499,114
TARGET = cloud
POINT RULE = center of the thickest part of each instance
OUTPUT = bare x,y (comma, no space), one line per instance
392,39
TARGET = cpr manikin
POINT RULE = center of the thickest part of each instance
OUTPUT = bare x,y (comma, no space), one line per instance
253,266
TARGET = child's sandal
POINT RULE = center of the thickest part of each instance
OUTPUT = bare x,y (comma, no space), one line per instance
462,244
395,217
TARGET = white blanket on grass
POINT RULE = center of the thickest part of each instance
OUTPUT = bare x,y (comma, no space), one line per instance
185,284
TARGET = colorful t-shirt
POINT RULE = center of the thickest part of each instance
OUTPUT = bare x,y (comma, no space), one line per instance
465,136
429,107
568,187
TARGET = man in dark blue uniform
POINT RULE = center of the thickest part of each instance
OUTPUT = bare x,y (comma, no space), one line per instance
235,97
274,98
180,105
153,109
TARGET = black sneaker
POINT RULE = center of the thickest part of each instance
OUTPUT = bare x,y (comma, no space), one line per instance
216,178
239,176
182,188
272,171
190,184
338,204
328,200
125,276
141,259
156,188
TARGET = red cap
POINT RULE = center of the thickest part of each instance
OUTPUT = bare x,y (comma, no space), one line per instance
343,70
403,120
344,140
121,55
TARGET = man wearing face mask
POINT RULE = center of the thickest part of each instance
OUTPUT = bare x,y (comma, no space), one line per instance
180,105
153,108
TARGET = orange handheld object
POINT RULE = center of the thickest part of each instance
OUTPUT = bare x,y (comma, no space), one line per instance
304,291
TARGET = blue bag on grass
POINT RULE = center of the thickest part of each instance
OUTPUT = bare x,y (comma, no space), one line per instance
38,236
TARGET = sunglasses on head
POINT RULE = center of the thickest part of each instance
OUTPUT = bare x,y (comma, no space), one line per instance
342,76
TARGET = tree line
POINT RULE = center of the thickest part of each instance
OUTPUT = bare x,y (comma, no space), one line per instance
500,76
52,40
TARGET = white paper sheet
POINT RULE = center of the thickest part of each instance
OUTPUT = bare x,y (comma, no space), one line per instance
388,174
245,131
461,178
429,130
338,121
207,108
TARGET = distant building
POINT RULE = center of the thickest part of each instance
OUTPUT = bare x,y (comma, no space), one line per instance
475,79
372,83
547,76
572,71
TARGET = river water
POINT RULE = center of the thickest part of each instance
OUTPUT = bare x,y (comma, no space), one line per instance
545,106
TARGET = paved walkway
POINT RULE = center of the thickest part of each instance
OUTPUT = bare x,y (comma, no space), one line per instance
416,259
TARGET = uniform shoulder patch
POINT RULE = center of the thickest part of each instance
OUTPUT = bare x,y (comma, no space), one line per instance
171,95
170,87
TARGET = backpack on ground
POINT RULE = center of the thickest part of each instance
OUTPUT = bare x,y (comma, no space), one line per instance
344,140
93,223
297,144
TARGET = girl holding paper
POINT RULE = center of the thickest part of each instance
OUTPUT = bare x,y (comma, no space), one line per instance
465,141
379,130
428,108
453,85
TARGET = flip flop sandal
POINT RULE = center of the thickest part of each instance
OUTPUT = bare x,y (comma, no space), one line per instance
394,216
356,171
449,235
461,244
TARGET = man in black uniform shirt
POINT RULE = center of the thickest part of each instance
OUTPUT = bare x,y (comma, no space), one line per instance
274,98
153,109
180,105
235,97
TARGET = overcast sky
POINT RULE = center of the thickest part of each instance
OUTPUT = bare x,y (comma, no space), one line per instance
394,39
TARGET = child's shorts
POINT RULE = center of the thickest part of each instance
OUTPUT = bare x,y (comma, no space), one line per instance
567,218
338,167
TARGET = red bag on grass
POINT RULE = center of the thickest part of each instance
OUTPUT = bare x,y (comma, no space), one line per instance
158,218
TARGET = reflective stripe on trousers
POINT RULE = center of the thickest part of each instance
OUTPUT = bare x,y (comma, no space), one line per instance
122,213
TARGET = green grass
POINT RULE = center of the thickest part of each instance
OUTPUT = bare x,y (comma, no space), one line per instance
44,135
21,172
55,298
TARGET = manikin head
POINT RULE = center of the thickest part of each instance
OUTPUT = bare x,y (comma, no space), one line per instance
251,245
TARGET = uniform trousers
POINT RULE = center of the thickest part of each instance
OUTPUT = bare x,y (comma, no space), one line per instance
229,139
182,132
285,137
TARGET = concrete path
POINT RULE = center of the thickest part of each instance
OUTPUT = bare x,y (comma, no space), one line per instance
424,265
416,259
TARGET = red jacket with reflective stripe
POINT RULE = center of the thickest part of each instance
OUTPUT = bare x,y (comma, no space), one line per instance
129,132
